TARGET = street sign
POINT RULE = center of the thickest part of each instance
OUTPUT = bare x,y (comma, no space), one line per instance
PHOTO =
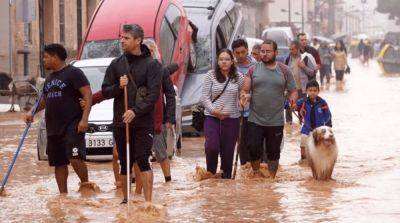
26,10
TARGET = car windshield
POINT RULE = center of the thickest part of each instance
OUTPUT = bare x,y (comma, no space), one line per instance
102,49
95,75
278,36
283,51
203,44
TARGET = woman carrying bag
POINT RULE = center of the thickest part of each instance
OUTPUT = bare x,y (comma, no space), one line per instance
220,97
339,57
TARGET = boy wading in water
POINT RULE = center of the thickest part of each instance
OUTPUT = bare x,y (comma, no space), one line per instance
66,122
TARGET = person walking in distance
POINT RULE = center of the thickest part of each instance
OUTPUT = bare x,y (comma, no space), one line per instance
339,63
255,52
267,80
142,75
325,71
306,48
66,122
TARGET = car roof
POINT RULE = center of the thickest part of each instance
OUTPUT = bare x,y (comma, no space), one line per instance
200,3
98,62
112,13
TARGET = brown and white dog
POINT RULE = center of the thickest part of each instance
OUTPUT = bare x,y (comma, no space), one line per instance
322,152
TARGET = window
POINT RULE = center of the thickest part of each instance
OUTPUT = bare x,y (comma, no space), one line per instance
167,43
101,48
29,33
79,21
220,40
226,27
61,7
173,16
202,47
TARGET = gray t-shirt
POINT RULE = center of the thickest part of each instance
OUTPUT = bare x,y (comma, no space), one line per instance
268,95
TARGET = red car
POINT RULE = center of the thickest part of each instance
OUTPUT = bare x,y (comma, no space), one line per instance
163,21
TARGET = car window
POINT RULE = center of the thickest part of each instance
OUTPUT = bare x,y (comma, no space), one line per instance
101,49
226,28
173,16
220,40
95,75
283,51
279,37
167,43
202,46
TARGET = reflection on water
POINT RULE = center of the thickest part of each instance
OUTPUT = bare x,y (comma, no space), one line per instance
366,185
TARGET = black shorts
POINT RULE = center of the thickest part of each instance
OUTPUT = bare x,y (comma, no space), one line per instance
339,75
260,136
140,144
61,148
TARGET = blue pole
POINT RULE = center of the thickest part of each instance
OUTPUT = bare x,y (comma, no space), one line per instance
21,142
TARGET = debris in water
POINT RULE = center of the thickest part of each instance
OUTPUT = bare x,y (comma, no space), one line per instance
203,174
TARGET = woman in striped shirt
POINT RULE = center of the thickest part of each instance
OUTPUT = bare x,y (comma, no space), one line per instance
220,97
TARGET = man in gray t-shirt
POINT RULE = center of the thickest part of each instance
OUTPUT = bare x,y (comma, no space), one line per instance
267,81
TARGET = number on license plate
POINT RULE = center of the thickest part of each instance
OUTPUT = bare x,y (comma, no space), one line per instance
102,142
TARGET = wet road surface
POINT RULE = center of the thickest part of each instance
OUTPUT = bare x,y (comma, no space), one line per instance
366,185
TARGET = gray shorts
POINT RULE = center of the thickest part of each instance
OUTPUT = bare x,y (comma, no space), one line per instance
162,144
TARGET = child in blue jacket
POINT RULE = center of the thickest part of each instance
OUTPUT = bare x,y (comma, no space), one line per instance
314,111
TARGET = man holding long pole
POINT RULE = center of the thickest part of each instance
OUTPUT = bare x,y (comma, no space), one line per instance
141,75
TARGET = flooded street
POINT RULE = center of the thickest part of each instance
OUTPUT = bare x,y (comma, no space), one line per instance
366,185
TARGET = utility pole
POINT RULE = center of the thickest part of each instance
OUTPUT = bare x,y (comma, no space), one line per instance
331,21
290,12
302,16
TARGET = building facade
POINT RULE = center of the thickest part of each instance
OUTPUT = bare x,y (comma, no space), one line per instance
64,21
255,16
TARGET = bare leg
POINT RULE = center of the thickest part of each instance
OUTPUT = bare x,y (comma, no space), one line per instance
147,180
138,176
303,152
116,166
166,168
123,179
255,165
61,173
80,169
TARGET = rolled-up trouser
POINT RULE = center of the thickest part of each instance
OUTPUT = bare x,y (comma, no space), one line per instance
273,136
220,139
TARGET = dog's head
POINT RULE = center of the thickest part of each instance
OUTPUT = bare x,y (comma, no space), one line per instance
323,135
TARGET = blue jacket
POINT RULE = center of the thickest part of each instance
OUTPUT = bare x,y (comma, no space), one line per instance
314,114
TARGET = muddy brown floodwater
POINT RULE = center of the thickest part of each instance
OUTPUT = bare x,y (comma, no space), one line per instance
366,185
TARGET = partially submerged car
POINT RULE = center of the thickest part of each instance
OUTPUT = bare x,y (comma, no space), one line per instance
164,22
216,24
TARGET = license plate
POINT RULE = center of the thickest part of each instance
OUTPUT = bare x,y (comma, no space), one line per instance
99,142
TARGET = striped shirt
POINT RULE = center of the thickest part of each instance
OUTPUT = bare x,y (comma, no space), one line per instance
229,100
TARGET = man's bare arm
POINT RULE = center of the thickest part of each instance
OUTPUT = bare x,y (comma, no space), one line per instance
293,95
245,91
86,93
